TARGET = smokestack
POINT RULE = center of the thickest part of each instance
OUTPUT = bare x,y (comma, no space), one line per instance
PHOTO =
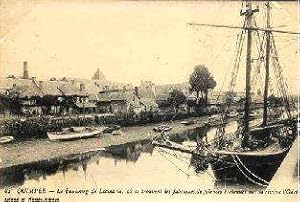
25,70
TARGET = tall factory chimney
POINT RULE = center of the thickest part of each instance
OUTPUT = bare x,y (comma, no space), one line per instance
25,70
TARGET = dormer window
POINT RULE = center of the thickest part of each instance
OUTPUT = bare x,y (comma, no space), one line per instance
11,76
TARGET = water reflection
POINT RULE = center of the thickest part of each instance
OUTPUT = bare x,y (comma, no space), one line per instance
138,163
16,176
130,152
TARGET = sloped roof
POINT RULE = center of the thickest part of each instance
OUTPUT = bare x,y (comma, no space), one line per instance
91,87
116,96
69,89
147,93
58,88
50,88
95,86
24,87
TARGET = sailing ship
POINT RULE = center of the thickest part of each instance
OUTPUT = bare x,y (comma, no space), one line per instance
254,153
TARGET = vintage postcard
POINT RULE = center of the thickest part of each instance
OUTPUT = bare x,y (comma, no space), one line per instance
149,100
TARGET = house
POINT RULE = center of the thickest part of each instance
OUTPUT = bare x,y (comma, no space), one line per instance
119,101
61,96
19,96
93,88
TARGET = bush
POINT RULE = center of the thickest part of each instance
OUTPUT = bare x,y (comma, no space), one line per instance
38,127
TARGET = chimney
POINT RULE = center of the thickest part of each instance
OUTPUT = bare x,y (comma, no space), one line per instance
106,89
25,70
136,91
82,87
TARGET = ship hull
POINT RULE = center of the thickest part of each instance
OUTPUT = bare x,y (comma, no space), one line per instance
246,167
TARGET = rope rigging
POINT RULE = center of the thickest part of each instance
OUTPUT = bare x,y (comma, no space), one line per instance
265,47
161,152
281,83
245,174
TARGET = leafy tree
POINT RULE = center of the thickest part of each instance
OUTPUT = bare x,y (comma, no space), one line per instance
176,98
201,81
47,101
12,99
66,102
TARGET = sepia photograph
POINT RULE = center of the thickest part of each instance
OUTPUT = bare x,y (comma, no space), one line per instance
114,100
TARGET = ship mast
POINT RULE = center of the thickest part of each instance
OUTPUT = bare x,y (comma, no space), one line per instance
250,27
267,65
248,19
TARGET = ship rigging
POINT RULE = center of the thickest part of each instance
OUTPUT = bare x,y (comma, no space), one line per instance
253,153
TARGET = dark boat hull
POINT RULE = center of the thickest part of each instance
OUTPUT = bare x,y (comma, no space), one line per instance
246,167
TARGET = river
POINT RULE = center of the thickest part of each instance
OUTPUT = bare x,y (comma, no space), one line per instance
131,165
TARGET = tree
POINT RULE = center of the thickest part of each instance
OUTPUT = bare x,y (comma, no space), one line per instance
12,99
201,81
176,98
47,101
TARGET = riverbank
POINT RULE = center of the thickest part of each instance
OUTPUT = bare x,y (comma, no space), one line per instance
37,127
30,151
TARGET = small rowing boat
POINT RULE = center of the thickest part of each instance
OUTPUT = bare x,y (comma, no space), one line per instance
6,139
187,123
75,133
117,132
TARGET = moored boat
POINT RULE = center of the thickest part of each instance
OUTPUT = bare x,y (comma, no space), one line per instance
6,139
187,123
75,133
117,132
254,153
255,166
110,128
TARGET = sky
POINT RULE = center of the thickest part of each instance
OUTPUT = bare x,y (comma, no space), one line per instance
132,41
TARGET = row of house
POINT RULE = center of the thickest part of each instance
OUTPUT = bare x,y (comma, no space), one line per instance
97,95
69,95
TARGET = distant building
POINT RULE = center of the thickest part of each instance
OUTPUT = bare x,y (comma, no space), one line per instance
98,75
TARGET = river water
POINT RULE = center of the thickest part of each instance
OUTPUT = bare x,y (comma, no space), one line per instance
131,165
